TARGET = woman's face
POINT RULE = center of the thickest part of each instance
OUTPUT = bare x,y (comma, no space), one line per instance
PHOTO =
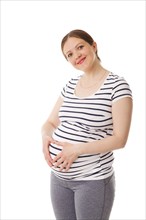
80,54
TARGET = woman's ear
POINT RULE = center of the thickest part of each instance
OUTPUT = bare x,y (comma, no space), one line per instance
94,46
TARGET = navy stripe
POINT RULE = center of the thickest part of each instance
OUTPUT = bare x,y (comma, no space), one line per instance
86,120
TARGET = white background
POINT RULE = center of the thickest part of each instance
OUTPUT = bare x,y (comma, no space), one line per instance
33,72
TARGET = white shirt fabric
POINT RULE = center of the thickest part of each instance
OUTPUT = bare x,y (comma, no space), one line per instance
85,120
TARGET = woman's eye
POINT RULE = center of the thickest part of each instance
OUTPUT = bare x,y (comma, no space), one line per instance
80,47
69,55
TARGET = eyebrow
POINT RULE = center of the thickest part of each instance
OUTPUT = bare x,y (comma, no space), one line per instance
74,47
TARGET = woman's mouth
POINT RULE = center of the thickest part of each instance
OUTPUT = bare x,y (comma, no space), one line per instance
81,61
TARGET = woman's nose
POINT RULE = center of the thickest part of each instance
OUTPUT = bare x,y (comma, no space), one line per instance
77,54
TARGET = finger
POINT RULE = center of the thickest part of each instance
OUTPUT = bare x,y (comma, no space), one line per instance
49,161
63,166
59,143
56,158
58,163
46,151
48,158
68,166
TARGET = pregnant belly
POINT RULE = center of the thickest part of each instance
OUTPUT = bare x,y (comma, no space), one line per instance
54,150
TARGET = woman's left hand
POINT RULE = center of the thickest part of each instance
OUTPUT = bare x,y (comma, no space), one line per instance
66,157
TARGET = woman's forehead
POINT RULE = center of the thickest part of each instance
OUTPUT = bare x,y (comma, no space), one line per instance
71,43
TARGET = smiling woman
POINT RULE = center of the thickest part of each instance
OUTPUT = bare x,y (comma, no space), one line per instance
82,132
34,71
82,35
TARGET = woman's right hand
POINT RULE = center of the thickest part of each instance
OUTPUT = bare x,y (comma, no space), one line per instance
46,144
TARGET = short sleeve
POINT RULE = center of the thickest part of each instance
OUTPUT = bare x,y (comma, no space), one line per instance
63,92
121,89
68,89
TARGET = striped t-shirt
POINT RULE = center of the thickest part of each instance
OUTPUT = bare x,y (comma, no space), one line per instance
85,120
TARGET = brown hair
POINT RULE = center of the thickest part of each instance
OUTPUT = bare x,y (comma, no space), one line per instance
78,34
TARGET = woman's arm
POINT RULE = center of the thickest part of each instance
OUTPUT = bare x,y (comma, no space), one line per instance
53,120
48,128
121,113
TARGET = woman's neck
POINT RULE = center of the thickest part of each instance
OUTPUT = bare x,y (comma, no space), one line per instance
94,73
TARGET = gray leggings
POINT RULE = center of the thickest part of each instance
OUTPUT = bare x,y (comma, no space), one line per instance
82,200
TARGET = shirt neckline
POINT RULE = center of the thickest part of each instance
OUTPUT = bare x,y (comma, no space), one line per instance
92,95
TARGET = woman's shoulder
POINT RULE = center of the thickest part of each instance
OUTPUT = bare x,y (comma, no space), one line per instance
73,79
116,79
115,76
120,87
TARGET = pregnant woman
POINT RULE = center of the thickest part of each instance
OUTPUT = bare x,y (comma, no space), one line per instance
90,120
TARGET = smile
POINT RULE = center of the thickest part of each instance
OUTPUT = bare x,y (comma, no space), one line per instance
81,60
